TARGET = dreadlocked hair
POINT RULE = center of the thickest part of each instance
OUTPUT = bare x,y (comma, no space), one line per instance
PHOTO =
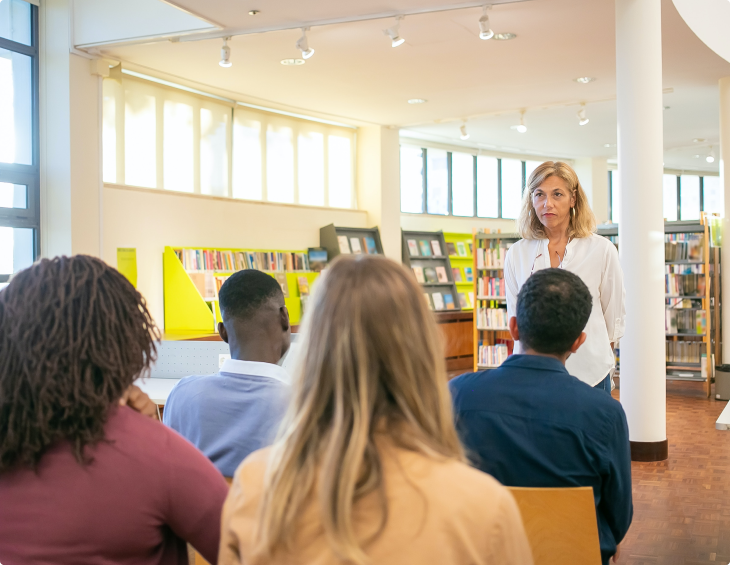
74,334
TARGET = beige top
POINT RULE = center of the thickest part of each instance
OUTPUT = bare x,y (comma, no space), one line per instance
439,511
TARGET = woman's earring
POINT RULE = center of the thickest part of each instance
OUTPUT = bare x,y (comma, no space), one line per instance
572,210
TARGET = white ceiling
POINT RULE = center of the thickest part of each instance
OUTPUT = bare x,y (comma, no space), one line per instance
356,75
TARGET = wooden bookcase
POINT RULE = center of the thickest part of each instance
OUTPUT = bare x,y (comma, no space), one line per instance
426,254
328,238
488,264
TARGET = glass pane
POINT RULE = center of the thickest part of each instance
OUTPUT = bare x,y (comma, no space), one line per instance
615,197
462,184
13,195
529,167
487,187
247,158
689,197
109,132
712,195
15,21
340,172
16,249
214,150
670,197
279,164
178,147
437,176
16,118
310,163
140,135
511,188
411,179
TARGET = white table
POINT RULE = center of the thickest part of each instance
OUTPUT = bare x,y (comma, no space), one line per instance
157,389
723,422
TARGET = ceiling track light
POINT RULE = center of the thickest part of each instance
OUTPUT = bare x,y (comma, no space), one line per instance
225,54
711,157
393,33
485,32
464,134
582,120
303,44
521,127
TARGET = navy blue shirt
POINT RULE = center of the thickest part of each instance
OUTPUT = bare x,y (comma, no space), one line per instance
529,423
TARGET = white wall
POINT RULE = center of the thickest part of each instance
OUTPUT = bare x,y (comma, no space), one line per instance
424,222
593,176
148,220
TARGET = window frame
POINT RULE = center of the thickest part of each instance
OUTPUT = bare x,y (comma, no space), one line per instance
27,175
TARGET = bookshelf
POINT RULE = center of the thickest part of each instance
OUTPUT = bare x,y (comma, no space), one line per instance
492,341
193,275
425,253
355,241
459,250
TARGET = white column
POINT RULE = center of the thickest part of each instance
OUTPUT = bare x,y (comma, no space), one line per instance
725,182
641,231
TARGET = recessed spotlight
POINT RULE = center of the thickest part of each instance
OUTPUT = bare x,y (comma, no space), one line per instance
253,12
609,145
292,62
417,101
697,156
584,80
699,140
504,36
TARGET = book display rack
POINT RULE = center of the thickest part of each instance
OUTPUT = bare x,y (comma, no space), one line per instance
425,253
193,276
350,241
459,250
492,341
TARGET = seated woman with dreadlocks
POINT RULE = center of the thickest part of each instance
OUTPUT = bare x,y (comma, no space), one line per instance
84,480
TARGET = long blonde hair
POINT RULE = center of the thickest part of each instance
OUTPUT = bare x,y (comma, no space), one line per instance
582,224
372,364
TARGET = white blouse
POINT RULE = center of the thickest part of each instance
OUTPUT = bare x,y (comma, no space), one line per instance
595,260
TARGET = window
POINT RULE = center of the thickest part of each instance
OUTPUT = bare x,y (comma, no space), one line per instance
411,179
712,195
19,169
689,197
437,174
615,197
462,184
669,187
488,187
529,167
511,188
162,137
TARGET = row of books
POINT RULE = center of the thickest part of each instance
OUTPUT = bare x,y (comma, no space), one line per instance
357,245
492,355
229,261
684,351
302,284
692,285
432,248
431,274
492,256
468,275
492,318
690,322
684,247
491,286
440,301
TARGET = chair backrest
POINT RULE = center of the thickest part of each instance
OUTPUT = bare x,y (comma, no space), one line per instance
560,524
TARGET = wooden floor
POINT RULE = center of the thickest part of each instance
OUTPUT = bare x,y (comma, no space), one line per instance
682,505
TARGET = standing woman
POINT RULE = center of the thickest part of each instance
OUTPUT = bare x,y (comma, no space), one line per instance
557,227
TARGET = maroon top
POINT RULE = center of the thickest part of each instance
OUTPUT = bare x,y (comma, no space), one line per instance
145,492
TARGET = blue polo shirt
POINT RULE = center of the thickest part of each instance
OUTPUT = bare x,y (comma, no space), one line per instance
232,413
529,423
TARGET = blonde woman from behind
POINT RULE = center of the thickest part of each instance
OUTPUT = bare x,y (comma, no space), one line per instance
368,467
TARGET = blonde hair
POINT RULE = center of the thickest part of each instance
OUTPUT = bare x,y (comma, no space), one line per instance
582,224
373,365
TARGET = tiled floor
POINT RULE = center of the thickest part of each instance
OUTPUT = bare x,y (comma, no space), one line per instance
682,505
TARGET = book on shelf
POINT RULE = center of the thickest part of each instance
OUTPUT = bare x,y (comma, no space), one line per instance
684,284
418,271
451,248
205,282
441,274
492,256
425,248
682,351
463,300
303,285
470,294
491,318
471,248
427,297
413,248
438,301
448,301
318,258
355,245
230,261
369,245
431,275
344,244
491,286
685,321
461,248
436,247
468,275
456,272
684,247
281,279
492,355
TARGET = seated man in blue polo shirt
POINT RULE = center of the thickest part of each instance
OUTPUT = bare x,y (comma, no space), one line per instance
531,424
238,410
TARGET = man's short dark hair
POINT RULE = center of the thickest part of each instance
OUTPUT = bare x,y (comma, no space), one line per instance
553,308
246,291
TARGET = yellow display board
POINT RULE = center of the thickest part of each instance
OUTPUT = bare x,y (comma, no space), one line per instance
462,262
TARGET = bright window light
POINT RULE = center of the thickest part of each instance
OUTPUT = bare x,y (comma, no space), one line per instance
511,188
411,179
462,184
279,164
109,133
669,190
437,175
310,146
247,159
689,197
15,108
529,167
13,195
214,150
140,147
16,249
487,187
178,147
340,171
712,195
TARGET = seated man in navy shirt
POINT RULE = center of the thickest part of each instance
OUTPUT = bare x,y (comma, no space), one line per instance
238,410
531,424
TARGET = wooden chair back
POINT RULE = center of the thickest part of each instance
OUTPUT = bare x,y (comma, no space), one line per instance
560,524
